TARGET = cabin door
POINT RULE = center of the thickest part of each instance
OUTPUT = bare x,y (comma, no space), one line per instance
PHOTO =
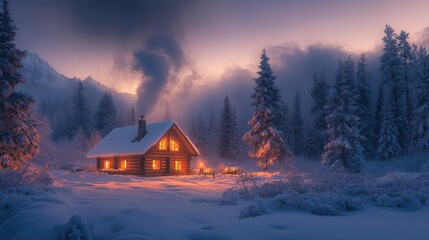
167,169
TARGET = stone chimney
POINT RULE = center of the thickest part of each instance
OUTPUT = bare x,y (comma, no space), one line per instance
141,128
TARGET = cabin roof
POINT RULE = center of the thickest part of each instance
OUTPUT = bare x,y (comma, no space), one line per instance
120,140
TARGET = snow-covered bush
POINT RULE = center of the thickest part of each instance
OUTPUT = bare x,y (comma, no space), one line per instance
23,178
229,198
253,210
386,202
288,200
334,193
270,190
246,183
246,180
75,229
409,202
324,210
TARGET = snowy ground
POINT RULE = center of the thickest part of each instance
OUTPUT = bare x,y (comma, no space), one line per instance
184,207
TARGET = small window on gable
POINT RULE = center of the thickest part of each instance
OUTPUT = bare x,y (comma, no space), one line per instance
156,164
123,165
174,146
163,144
107,164
178,165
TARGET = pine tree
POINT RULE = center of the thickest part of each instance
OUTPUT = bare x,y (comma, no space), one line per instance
212,131
79,117
105,118
363,103
285,123
405,57
264,137
388,146
344,150
18,133
297,127
378,117
319,94
420,122
392,77
228,140
201,138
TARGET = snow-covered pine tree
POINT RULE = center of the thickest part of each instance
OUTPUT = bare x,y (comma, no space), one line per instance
200,134
80,115
18,133
212,134
378,117
363,103
297,124
228,139
264,137
420,122
105,117
406,59
319,94
392,77
344,150
285,124
388,145
94,139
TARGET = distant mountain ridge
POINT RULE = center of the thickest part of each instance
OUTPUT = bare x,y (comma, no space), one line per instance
45,84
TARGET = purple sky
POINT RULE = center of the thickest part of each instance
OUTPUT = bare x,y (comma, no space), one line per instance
209,41
214,34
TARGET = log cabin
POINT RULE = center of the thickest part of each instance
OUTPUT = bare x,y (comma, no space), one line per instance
154,149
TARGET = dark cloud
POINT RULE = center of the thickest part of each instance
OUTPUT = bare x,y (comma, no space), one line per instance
294,68
122,20
159,56
151,30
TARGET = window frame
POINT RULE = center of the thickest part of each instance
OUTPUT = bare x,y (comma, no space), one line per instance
153,164
160,144
176,143
178,163
107,164
125,164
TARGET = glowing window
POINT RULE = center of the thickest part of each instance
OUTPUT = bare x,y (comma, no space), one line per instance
107,164
174,146
178,165
163,144
123,164
156,164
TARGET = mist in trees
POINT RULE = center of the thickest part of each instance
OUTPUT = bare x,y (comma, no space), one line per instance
105,118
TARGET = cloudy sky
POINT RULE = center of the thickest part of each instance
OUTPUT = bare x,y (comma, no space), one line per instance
173,46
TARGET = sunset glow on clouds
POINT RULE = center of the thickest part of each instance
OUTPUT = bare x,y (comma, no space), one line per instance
218,38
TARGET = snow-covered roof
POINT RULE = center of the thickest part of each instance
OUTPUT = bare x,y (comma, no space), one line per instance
120,140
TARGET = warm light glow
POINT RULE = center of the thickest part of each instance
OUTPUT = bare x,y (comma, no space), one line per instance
123,164
106,164
163,144
178,165
201,164
174,146
156,164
